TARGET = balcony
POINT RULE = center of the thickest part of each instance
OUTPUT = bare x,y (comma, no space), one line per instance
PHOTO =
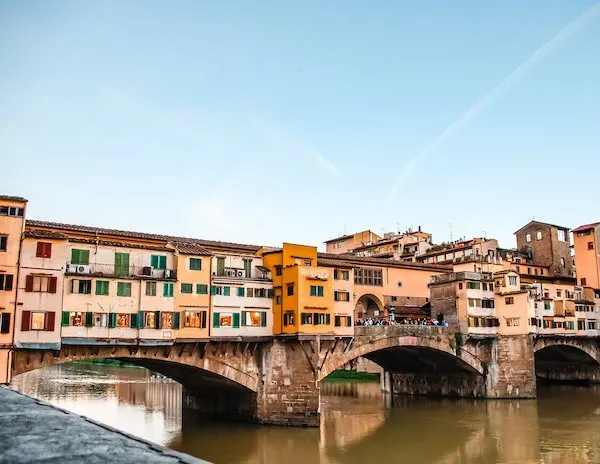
258,273
110,270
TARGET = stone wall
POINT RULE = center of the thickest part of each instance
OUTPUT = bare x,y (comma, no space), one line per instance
439,385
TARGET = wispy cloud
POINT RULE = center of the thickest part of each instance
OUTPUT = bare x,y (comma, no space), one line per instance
290,145
498,91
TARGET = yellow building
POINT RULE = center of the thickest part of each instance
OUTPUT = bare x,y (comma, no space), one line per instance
12,222
586,241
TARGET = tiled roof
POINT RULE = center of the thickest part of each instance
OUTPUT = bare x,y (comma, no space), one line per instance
11,198
110,243
140,235
586,227
191,249
542,223
351,259
331,263
343,237
44,234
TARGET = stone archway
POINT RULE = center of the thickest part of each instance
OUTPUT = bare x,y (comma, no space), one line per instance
369,306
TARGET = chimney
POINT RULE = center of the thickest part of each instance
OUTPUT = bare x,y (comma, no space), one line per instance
419,228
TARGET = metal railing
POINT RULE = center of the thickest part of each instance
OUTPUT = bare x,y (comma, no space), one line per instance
110,270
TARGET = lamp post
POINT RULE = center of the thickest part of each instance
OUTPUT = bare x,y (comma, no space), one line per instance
392,315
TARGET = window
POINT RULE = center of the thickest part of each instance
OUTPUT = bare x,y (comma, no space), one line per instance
562,236
278,299
102,287
489,304
547,305
100,320
80,256
121,320
513,321
158,261
38,320
528,270
123,288
518,269
590,245
528,238
83,287
558,293
321,319
343,296
5,323
226,291
224,319
221,266
491,287
307,318
11,211
168,289
584,281
187,288
368,276
150,288
250,292
278,270
44,250
150,320
343,321
3,242
484,286
316,290
591,325
509,300
307,262
538,235
195,264
194,319
76,319
201,289
341,275
254,318
167,320
240,291
597,294
38,284
260,292
460,285
290,289
474,302
121,264
288,318
562,262
512,280
248,267
474,285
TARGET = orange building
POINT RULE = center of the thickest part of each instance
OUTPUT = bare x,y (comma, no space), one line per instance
346,243
586,240
12,222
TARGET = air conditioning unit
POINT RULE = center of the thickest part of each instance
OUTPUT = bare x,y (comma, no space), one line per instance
230,272
72,268
169,274
147,271
82,268
240,273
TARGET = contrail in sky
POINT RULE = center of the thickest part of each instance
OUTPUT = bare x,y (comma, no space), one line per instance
499,90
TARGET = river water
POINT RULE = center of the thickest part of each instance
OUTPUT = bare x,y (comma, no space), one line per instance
358,425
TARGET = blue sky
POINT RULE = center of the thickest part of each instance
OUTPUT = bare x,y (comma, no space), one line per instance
263,122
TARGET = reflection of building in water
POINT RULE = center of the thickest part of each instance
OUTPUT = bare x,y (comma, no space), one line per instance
162,395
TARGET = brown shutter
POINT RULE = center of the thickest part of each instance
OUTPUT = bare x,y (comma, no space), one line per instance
50,320
29,283
52,285
40,250
48,250
25,321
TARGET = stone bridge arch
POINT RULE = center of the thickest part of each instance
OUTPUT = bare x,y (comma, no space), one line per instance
366,304
583,345
567,359
363,346
188,364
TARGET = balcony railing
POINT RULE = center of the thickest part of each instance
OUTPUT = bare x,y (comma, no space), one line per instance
110,270
235,273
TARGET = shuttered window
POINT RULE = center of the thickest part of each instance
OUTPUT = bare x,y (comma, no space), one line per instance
123,288
158,261
168,289
187,288
44,250
226,291
122,264
79,256
5,323
6,282
195,264
201,289
102,287
240,291
150,288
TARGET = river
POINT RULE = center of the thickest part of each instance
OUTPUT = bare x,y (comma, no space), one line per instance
358,423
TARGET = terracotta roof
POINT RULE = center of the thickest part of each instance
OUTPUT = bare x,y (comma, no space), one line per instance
11,198
586,227
140,235
331,263
383,262
191,249
542,223
44,234
110,243
343,237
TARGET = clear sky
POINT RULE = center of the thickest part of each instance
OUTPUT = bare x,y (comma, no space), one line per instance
268,121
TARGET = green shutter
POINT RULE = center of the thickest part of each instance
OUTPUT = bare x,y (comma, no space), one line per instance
133,321
327,319
263,319
157,320
240,291
80,256
154,261
65,319
220,266
319,290
195,264
248,267
349,321
168,289
102,287
270,293
121,264
216,319
244,317
176,320
112,320
89,319
213,290
236,320
315,317
313,290
162,262
201,289
226,291
338,321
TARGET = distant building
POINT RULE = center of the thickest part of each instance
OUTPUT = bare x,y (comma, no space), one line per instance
476,249
586,241
346,243
548,245
402,247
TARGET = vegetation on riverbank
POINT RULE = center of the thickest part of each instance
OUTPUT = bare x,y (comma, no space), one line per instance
108,362
351,376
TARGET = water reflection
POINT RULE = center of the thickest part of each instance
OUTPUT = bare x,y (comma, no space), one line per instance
359,424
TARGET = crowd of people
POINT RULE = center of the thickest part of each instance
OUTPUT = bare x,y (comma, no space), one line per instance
400,321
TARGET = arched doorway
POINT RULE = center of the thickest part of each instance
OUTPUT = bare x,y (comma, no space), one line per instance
369,306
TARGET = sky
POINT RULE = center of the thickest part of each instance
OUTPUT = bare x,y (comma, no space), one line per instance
268,122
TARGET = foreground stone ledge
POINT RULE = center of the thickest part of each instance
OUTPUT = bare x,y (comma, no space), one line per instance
34,431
